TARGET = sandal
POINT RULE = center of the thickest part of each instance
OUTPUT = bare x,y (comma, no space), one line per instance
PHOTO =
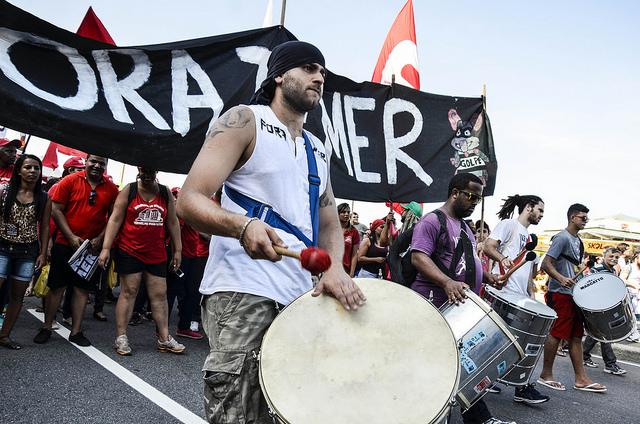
593,387
9,344
555,385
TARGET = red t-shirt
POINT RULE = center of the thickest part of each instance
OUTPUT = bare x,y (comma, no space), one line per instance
143,233
86,221
5,174
189,238
202,250
351,238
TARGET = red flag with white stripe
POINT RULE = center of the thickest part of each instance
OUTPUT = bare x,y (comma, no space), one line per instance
398,60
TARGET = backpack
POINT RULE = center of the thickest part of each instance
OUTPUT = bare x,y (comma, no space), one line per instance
402,270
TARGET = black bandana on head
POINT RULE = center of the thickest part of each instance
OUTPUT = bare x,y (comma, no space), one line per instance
284,57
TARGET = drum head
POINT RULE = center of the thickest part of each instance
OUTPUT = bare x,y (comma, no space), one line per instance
599,291
394,360
522,302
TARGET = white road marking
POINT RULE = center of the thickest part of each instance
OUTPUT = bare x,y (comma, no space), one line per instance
145,389
633,364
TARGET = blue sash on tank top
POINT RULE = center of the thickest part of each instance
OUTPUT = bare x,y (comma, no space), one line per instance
264,212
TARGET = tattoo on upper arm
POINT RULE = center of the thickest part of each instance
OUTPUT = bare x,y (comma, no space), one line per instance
236,118
326,200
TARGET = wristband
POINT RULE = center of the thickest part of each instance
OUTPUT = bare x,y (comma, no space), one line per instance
244,230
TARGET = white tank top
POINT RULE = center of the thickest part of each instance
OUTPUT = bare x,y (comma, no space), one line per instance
275,174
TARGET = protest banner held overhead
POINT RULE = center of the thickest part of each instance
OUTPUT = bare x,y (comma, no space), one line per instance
152,105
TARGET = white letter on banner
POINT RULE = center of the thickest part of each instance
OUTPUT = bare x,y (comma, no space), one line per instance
181,63
258,56
87,95
335,132
358,142
115,91
394,144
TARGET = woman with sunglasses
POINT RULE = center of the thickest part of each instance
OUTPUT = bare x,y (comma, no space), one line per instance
142,216
24,235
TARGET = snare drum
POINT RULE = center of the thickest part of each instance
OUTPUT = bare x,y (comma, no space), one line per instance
394,360
530,322
605,304
488,350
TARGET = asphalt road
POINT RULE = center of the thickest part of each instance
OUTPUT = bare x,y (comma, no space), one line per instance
57,383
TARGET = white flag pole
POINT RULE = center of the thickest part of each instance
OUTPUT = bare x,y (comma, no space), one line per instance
283,12
268,15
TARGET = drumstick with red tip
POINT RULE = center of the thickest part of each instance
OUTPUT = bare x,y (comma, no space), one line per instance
530,256
313,259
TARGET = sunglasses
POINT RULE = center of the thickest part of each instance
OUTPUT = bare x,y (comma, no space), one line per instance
583,218
92,197
472,197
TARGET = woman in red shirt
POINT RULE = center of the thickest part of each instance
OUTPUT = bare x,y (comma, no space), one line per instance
139,222
351,239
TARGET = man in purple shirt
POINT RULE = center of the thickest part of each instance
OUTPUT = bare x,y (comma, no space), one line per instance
447,262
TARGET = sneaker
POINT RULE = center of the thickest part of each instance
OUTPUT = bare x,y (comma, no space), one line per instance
615,370
529,394
190,334
122,345
589,363
494,389
67,321
79,339
55,326
43,336
170,345
136,319
194,326
497,421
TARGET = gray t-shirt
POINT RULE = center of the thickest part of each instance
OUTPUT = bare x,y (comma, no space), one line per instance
564,243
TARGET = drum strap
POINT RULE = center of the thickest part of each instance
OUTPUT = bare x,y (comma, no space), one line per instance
266,213
463,247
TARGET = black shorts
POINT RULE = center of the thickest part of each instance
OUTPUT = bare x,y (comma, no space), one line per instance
127,264
61,274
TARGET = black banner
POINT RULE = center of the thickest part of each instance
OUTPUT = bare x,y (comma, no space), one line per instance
152,105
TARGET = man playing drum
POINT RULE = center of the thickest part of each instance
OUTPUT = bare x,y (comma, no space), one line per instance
434,250
504,246
561,262
610,260
266,162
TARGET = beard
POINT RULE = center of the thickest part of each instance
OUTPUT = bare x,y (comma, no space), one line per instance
293,94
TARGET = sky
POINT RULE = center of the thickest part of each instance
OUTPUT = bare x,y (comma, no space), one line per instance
562,77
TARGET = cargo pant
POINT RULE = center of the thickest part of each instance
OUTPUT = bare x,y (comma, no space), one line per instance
235,324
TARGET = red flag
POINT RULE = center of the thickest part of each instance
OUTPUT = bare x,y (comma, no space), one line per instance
399,55
90,27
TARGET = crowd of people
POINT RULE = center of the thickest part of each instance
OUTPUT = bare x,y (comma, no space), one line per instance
247,193
47,222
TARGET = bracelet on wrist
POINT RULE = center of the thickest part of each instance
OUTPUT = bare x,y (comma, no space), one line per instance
244,230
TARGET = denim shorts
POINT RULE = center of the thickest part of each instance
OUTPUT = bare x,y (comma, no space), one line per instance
16,269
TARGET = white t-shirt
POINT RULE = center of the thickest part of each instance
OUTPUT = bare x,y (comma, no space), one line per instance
276,174
512,237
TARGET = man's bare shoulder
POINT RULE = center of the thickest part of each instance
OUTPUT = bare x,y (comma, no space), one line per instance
237,119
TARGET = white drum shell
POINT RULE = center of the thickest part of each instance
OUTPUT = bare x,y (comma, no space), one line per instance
530,321
394,360
606,306
488,349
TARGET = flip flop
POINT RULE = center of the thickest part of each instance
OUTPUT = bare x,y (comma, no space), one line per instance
10,344
591,388
555,385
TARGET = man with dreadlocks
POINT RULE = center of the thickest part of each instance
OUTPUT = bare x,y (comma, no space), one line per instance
504,246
